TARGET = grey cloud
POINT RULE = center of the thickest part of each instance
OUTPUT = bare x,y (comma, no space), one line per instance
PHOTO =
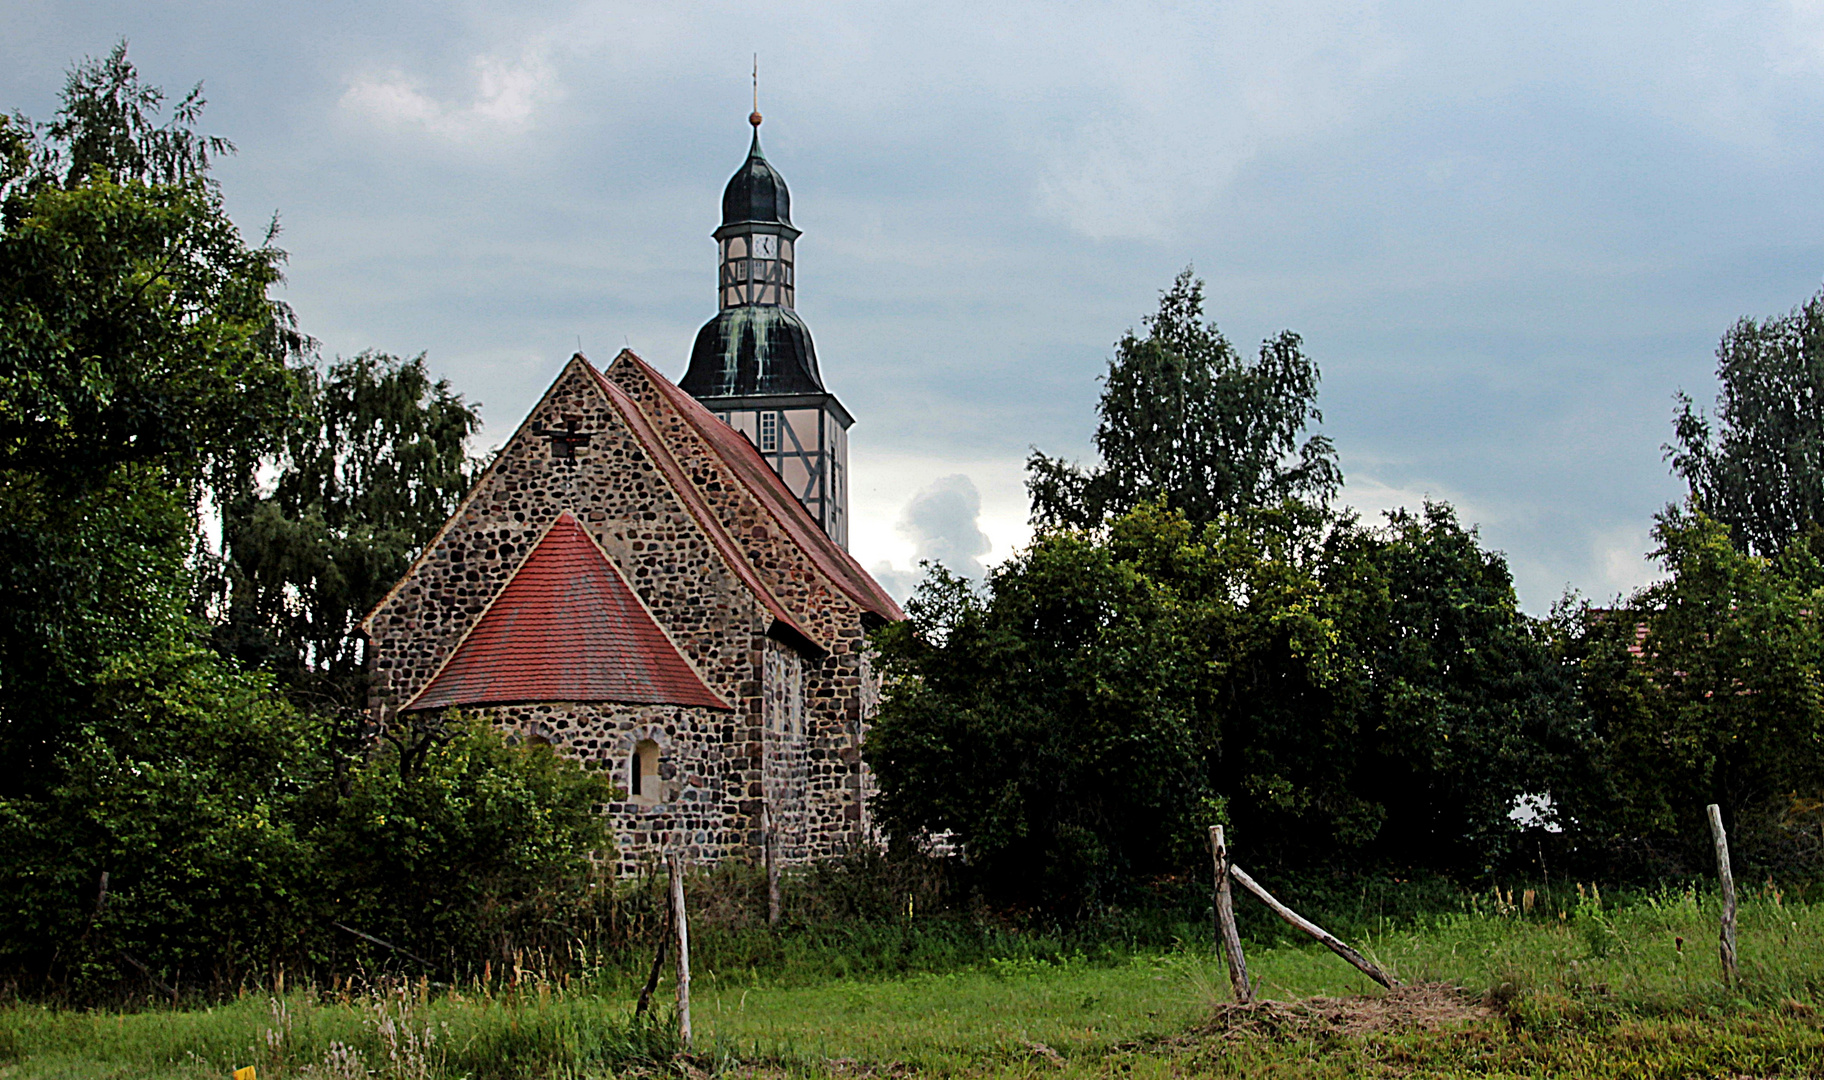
1508,231
942,523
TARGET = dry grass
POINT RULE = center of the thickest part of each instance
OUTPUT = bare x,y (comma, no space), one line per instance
1421,1007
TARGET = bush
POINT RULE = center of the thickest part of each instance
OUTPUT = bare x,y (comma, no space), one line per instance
171,846
195,836
458,847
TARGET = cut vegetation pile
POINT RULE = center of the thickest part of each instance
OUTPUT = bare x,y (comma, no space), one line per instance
1422,1007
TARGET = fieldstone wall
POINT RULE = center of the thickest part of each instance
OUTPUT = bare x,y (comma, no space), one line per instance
698,811
614,488
835,727
784,720
824,610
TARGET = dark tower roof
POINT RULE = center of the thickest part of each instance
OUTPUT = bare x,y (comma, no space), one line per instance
756,194
753,350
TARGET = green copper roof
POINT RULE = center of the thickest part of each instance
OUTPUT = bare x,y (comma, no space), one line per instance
756,193
755,350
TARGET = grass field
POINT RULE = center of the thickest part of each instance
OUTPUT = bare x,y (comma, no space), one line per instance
1583,991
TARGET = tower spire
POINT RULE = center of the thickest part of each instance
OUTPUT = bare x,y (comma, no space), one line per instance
754,117
753,365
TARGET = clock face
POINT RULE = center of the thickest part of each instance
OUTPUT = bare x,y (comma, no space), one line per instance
766,246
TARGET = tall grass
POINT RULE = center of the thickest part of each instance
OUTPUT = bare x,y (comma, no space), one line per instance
1586,973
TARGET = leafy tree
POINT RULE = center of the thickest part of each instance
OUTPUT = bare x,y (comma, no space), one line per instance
1184,418
1457,701
108,124
1760,470
138,346
1706,687
173,835
135,323
371,469
85,578
1342,695
1049,729
144,364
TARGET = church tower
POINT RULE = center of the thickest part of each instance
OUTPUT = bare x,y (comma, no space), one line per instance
754,365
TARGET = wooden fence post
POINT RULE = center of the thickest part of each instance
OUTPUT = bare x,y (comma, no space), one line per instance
1726,944
1362,963
681,922
769,837
1225,919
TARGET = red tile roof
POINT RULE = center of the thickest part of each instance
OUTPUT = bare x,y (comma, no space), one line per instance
770,491
566,628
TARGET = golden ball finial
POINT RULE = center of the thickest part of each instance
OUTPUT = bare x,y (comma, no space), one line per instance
754,119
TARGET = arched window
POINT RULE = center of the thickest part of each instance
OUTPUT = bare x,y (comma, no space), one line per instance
643,773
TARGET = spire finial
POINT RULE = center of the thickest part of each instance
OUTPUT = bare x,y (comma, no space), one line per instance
754,117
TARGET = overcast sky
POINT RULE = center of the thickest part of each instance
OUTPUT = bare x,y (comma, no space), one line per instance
1508,232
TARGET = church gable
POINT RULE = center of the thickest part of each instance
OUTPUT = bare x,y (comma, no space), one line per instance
584,449
566,628
778,535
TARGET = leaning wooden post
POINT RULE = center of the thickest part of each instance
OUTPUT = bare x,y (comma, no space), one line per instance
681,923
1225,919
1726,945
1362,963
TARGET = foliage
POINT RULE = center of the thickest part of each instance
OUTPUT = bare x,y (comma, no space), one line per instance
135,323
173,837
1456,700
1761,470
1338,693
169,820
196,833
487,840
1708,687
1183,418
106,124
373,465
86,578
1046,726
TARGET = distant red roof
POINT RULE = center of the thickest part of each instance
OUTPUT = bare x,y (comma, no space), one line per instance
770,491
566,628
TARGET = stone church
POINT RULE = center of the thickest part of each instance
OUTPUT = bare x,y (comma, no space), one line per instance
653,577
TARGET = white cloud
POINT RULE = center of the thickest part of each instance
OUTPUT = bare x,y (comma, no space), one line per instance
1621,554
505,99
1372,499
968,515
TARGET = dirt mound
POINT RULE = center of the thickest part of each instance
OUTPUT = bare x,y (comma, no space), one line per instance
1422,1007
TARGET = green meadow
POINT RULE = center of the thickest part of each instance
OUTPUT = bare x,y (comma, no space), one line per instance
1585,989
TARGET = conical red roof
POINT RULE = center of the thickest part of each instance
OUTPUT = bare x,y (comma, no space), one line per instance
566,628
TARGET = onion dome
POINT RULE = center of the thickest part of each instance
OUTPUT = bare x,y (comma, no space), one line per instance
753,350
756,194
